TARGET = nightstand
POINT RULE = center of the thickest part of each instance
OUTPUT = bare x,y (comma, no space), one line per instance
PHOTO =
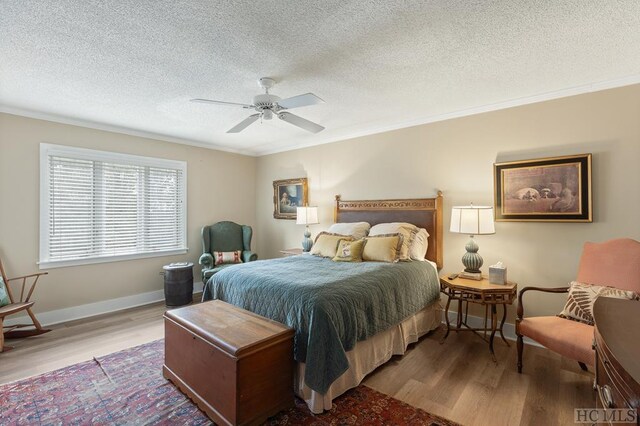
291,252
480,292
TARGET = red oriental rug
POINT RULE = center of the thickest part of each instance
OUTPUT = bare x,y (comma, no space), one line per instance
127,387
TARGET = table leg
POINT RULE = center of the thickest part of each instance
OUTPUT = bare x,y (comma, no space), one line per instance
446,318
504,317
493,331
459,324
485,320
466,312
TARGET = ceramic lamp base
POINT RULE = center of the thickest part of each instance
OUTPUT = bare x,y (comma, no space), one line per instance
471,260
307,242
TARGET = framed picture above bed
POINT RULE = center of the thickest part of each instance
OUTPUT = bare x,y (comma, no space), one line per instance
556,189
288,195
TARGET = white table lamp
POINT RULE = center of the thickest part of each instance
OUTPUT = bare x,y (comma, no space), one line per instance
472,220
307,216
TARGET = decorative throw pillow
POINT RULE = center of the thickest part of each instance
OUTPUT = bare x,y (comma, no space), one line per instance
582,296
355,229
326,244
383,248
407,230
4,296
420,244
349,251
222,257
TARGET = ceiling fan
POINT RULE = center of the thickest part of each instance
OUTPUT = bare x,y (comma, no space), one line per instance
268,105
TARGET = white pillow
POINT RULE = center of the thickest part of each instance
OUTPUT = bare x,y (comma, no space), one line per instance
357,230
407,230
418,249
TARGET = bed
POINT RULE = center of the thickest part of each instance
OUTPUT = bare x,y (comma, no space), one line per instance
349,318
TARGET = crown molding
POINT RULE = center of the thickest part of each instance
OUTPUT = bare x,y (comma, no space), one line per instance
516,102
116,129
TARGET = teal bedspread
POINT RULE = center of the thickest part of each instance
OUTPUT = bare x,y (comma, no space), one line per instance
331,305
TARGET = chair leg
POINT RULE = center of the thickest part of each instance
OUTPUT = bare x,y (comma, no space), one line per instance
520,345
1,334
20,334
583,366
36,323
3,347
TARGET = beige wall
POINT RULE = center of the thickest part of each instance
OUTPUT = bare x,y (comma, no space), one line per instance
456,156
220,186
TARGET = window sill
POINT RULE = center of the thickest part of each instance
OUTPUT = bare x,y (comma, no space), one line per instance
107,259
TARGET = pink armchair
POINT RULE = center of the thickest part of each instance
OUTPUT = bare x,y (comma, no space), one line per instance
614,263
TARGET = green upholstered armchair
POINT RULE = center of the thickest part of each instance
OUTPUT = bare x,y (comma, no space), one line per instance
224,236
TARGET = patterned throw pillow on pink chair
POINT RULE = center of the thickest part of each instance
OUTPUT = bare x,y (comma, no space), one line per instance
579,306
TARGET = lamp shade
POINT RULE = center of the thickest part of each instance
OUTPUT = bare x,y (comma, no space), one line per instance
307,215
472,220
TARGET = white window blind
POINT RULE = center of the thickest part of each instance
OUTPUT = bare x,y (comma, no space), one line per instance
98,206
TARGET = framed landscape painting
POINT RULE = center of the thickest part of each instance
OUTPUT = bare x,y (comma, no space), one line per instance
556,189
288,195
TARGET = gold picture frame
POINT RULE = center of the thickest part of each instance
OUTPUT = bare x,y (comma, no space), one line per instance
554,189
288,195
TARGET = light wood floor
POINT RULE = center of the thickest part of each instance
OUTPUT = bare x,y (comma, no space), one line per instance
459,381
456,380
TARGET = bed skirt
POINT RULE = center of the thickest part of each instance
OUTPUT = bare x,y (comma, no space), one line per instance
369,354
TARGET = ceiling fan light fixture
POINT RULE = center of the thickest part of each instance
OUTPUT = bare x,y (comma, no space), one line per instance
266,104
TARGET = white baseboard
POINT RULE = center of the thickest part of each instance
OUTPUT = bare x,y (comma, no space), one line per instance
113,305
98,308
509,329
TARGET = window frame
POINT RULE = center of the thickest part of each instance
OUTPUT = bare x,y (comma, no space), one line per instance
47,150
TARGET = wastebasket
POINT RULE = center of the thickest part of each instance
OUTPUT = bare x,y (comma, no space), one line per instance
178,284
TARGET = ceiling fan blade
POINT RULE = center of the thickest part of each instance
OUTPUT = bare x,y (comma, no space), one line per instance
300,122
300,101
243,124
210,101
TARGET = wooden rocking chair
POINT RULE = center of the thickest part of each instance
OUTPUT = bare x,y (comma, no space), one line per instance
24,304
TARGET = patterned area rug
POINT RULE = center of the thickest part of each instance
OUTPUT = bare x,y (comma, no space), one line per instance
127,387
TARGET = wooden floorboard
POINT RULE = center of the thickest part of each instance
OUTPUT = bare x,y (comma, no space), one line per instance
456,379
459,381
81,340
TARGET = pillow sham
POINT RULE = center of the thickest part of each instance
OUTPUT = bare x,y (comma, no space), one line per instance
420,244
407,230
356,229
579,306
383,248
349,251
326,244
223,257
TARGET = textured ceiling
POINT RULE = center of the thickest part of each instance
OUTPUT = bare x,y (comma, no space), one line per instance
134,64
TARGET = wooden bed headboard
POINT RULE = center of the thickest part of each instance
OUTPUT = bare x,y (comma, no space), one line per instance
423,212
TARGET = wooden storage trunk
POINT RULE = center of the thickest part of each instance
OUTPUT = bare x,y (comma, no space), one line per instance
235,365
